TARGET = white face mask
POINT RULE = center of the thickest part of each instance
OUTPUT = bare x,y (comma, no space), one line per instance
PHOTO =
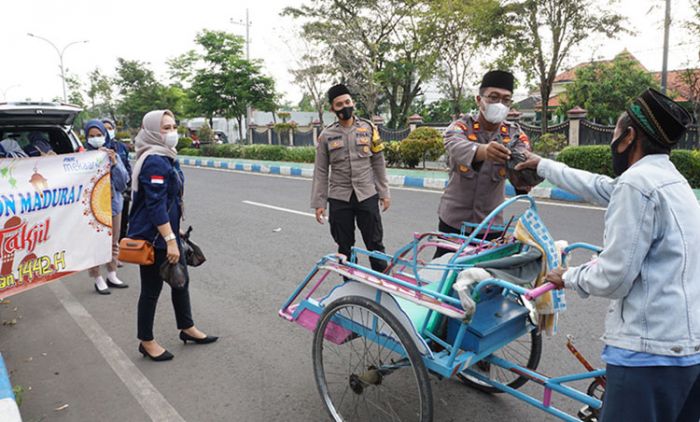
495,113
111,134
170,139
96,141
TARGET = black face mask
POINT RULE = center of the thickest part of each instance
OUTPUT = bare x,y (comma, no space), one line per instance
345,113
621,160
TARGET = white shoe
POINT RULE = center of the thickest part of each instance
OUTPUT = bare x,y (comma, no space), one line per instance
113,281
101,286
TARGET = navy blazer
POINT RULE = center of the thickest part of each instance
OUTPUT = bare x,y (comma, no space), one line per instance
158,200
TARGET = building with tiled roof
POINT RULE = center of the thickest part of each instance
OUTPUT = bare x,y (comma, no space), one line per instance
676,86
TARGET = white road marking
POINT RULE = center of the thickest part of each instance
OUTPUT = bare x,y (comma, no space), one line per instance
150,399
272,207
540,201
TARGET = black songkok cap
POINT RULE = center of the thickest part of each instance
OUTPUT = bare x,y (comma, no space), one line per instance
498,79
337,91
661,118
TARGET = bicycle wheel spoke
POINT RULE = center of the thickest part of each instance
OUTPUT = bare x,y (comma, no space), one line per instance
366,379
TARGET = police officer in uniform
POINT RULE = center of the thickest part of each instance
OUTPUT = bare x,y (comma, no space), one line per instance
478,148
357,185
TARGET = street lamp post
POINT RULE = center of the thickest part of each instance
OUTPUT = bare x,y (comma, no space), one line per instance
60,58
6,90
247,24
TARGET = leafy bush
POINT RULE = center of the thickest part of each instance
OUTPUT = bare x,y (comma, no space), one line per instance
284,126
598,159
230,150
122,135
190,151
424,143
221,150
411,151
392,153
593,158
300,154
206,135
549,143
688,164
264,152
184,142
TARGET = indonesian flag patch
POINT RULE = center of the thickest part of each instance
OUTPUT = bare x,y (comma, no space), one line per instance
157,180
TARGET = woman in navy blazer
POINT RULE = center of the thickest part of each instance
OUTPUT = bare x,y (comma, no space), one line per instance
158,187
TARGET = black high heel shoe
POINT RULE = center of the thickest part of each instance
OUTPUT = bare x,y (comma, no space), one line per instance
102,292
160,358
206,340
116,286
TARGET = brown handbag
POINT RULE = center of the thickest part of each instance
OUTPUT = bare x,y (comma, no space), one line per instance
136,251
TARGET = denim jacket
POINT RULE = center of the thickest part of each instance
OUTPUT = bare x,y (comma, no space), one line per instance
649,265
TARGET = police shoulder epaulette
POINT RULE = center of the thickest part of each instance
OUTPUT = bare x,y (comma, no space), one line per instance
377,144
368,121
331,125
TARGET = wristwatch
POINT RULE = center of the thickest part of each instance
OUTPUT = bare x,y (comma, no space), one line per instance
169,237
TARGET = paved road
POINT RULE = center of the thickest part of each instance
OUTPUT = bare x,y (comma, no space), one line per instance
72,346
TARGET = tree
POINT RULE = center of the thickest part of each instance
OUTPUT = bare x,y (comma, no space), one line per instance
221,82
469,34
605,89
693,24
141,92
691,78
99,92
541,34
311,74
442,111
310,78
75,88
75,96
384,50
305,104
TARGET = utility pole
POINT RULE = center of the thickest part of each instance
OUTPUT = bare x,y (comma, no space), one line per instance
60,59
664,68
247,23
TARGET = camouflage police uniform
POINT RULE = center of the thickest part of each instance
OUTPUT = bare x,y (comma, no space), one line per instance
354,185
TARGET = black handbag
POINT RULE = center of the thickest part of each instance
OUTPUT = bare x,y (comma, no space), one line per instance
174,274
193,253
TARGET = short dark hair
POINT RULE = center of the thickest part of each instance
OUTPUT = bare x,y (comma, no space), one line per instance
649,146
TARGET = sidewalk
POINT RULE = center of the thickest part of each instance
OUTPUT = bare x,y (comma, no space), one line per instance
421,179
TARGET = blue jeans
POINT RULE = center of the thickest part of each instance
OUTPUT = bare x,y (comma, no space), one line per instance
652,394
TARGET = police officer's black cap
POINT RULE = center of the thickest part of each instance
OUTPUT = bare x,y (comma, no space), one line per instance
661,118
498,79
336,91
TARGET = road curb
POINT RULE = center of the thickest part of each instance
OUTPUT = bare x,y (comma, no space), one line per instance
9,412
394,179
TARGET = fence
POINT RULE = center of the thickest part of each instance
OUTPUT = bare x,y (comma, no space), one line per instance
577,131
258,137
594,134
691,140
393,135
267,135
304,138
